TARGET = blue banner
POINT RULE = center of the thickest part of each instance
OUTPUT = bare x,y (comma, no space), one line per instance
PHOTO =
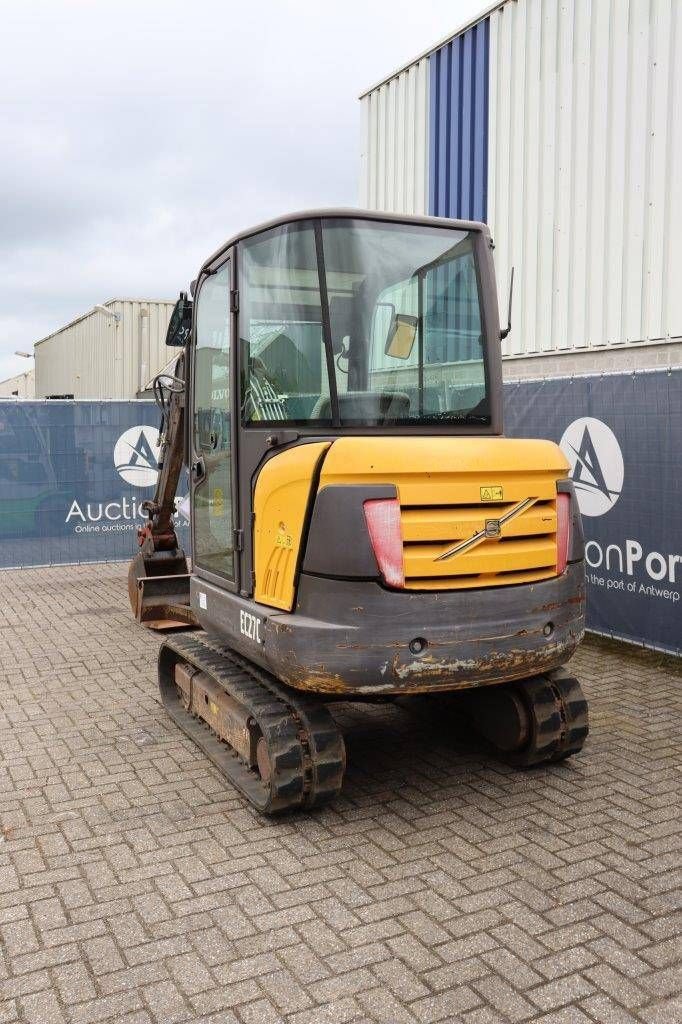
622,435
72,478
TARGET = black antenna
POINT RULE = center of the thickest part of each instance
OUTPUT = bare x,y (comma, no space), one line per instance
505,331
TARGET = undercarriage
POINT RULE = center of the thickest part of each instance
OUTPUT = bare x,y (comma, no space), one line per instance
283,749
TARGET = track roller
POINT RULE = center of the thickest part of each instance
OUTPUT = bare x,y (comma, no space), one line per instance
282,751
537,720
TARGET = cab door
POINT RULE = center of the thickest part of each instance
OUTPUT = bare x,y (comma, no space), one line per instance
212,470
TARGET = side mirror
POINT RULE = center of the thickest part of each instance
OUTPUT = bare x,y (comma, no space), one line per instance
401,336
180,324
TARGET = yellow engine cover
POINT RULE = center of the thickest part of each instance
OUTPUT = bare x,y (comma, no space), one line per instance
451,490
280,503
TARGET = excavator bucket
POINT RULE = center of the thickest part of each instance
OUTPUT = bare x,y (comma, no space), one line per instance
158,588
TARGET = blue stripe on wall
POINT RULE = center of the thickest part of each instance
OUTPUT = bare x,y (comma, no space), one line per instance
458,126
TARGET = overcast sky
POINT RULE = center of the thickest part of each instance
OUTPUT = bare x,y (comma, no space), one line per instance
137,135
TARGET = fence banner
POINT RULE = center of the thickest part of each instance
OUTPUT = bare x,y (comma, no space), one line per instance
622,434
73,475
72,478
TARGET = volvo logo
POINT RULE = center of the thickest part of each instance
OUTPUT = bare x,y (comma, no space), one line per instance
134,456
492,528
596,462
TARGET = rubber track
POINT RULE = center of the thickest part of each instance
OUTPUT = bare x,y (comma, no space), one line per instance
306,748
569,694
559,720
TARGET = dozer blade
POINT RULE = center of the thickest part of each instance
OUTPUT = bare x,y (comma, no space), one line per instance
158,588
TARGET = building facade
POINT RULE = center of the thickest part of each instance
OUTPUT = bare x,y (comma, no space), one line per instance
558,123
109,353
22,385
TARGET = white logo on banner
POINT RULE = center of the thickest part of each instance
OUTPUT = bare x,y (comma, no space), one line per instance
135,458
596,464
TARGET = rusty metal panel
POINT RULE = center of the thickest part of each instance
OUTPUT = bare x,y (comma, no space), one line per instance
205,697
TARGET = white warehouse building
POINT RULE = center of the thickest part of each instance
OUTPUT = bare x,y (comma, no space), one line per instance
21,385
559,123
111,352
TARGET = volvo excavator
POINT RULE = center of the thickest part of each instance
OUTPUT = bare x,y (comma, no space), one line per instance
361,529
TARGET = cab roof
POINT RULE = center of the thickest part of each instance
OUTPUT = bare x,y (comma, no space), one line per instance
339,212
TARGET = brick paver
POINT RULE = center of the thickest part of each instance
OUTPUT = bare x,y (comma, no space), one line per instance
136,887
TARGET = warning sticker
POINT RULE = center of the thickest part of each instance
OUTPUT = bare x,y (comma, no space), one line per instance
218,504
491,493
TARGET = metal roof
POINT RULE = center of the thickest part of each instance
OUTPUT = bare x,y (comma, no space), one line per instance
90,312
488,10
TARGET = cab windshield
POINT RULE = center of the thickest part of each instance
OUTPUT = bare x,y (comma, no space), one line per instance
350,322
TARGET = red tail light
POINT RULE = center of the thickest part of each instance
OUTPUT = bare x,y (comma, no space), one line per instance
383,523
563,531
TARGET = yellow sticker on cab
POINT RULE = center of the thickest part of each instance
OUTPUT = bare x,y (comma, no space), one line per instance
492,493
218,502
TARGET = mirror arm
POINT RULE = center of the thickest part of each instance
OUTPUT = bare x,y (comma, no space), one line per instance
506,330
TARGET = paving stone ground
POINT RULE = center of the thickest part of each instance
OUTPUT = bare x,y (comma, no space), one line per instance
136,887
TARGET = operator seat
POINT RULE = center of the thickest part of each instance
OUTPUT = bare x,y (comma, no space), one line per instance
371,407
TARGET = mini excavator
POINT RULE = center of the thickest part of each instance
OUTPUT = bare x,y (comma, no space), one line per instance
361,529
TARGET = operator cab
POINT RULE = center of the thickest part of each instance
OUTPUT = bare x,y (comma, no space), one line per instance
329,324
347,322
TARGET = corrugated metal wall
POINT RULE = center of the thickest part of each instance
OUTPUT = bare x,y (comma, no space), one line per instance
458,126
96,357
585,158
395,143
22,383
584,151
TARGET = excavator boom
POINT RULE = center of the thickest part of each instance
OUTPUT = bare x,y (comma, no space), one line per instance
158,576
